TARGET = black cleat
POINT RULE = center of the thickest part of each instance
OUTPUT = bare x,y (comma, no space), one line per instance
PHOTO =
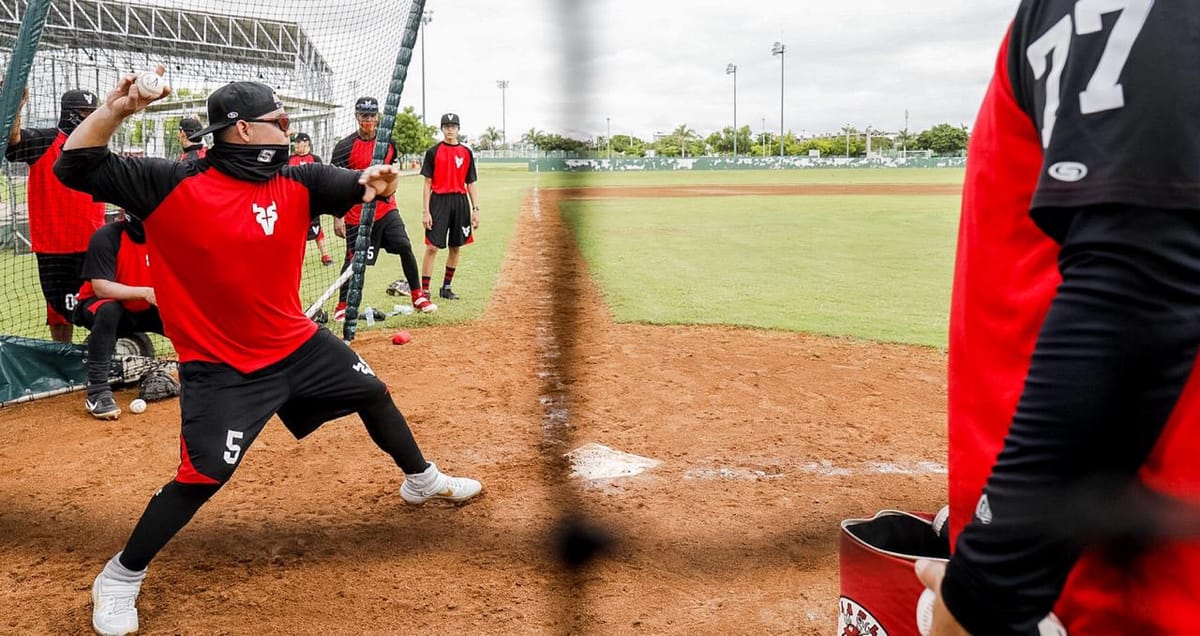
447,294
102,406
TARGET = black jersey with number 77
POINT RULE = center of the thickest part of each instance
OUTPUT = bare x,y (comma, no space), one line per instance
1113,88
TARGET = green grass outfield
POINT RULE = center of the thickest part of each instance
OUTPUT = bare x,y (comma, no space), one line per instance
875,267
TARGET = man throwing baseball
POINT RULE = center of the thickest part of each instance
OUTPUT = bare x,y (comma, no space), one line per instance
229,303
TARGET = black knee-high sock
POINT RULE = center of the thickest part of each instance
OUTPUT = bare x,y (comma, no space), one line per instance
171,508
449,276
412,271
385,423
101,343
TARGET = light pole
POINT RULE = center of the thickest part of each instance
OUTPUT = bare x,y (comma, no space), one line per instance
778,49
503,85
608,134
731,69
905,133
764,137
426,18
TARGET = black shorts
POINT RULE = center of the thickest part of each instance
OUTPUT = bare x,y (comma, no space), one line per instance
387,233
147,321
314,230
61,278
451,221
224,410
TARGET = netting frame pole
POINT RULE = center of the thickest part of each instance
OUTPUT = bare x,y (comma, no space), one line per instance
383,136
20,64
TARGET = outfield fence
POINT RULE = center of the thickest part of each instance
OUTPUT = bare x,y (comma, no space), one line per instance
739,163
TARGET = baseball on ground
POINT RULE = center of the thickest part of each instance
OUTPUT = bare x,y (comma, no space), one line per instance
138,405
151,84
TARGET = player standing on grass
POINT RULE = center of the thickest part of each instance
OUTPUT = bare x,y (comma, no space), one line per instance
387,233
301,156
117,299
1075,325
450,217
61,220
246,349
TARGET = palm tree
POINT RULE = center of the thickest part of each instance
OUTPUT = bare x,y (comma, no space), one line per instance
683,134
491,137
533,137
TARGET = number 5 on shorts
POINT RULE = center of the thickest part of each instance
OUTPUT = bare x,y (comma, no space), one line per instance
235,451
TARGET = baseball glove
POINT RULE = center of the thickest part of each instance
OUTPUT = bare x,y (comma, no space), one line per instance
158,385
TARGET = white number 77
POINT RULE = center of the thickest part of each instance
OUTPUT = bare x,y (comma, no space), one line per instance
1104,91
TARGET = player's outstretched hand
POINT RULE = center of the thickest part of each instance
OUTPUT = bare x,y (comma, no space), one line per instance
126,99
931,574
380,181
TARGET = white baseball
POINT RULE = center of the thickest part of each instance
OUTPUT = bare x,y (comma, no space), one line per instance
138,406
1049,626
925,612
151,85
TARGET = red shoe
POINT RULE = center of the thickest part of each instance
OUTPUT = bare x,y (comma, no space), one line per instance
424,305
326,260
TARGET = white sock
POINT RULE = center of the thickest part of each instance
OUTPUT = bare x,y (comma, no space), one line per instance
115,570
424,479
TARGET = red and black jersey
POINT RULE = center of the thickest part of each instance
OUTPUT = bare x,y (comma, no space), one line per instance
114,256
1021,170
61,220
1089,75
192,153
355,153
450,167
227,253
299,160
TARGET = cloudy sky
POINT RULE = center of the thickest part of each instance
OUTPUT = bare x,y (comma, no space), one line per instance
651,65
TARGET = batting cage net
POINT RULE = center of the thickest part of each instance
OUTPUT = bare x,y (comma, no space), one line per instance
321,57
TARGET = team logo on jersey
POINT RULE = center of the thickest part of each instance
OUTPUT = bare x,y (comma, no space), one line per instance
266,217
983,510
855,620
458,162
362,367
1068,171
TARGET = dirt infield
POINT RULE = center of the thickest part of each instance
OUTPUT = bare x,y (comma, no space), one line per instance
766,440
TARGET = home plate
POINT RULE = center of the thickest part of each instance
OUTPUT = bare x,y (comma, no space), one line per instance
596,461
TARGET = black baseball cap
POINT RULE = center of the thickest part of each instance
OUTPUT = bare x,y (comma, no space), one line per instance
190,125
79,99
302,137
237,101
366,105
450,119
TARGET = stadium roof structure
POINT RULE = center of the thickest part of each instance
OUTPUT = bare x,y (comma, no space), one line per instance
161,31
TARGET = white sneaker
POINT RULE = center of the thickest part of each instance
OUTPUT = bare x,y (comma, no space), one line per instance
114,605
433,484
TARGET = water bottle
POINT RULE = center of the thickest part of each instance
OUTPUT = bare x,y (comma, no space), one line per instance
370,313
403,310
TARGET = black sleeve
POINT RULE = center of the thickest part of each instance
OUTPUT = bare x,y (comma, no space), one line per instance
316,159
395,152
331,190
427,164
138,185
1111,360
470,167
101,258
34,143
341,152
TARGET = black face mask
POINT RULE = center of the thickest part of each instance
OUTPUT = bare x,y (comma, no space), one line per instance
68,120
248,163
